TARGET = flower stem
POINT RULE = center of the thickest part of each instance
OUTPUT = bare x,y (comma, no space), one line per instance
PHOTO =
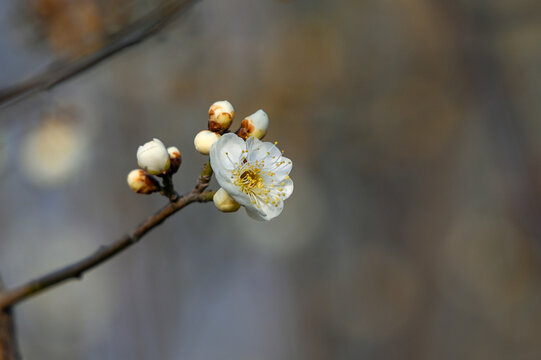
168,188
204,178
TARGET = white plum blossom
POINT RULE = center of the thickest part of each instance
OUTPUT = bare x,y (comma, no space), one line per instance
254,173
153,157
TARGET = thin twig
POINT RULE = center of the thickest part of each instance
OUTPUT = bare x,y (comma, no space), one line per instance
8,340
135,33
77,269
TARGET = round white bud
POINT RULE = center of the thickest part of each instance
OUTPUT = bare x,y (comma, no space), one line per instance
153,157
221,114
142,183
255,125
224,202
204,140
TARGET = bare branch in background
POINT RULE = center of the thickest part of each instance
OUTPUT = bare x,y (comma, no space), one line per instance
135,33
104,253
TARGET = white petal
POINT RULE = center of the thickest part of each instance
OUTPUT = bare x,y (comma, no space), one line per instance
281,192
226,152
281,168
218,168
235,192
288,188
266,211
258,150
254,214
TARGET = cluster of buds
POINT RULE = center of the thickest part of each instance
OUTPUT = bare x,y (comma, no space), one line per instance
221,115
252,173
153,158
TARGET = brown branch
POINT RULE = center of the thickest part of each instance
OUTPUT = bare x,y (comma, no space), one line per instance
77,269
135,33
8,340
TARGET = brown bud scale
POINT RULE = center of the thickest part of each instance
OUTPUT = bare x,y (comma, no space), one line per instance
246,129
152,185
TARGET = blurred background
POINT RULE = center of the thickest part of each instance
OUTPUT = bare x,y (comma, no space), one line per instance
414,229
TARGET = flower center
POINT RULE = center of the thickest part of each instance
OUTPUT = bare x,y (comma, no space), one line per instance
249,180
258,182
251,177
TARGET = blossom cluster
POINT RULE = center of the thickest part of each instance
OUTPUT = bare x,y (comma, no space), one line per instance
153,158
252,173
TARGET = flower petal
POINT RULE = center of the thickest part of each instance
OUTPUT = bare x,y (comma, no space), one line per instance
227,151
235,192
282,167
254,214
288,188
259,150
266,211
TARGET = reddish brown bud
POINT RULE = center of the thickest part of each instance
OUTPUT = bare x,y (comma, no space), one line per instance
255,125
142,182
175,157
221,114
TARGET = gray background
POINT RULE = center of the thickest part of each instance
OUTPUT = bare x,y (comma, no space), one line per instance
413,231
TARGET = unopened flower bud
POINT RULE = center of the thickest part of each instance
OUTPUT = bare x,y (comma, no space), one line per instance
204,140
175,158
153,157
224,202
142,183
255,125
221,114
